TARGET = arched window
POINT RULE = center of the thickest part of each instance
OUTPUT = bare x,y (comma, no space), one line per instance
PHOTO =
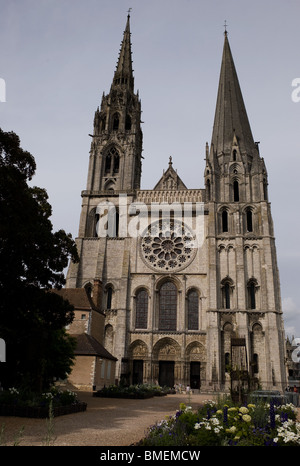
167,307
109,292
112,161
224,221
116,163
109,186
249,220
128,123
89,289
193,310
226,289
251,294
103,123
107,163
141,309
234,155
227,295
236,193
116,121
208,193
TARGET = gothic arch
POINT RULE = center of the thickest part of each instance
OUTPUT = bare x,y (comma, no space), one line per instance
115,121
252,298
88,286
128,122
140,287
109,186
227,287
168,278
194,288
109,298
208,189
257,328
236,169
195,351
228,327
224,214
112,158
257,347
249,218
138,350
236,188
226,335
166,349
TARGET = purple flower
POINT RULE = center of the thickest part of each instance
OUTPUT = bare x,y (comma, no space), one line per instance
225,414
272,416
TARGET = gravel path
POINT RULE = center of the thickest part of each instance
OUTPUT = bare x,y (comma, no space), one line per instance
106,422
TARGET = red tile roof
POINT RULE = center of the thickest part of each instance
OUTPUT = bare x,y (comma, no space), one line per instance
88,345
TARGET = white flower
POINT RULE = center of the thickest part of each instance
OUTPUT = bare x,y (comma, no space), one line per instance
13,391
231,430
215,421
244,410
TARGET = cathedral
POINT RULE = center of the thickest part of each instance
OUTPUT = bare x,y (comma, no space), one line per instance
186,280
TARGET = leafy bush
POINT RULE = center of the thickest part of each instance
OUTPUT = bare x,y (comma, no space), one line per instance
131,391
13,396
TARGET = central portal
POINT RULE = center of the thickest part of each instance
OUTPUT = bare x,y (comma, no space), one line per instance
166,373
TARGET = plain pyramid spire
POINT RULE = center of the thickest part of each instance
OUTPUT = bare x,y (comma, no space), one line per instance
124,73
231,118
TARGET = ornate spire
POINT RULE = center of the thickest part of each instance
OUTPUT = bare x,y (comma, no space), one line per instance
124,73
230,116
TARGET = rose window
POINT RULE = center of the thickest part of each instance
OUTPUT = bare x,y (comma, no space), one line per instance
168,246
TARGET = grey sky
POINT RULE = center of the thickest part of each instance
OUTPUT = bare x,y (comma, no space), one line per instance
58,57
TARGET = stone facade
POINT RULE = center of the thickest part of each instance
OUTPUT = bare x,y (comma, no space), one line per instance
204,275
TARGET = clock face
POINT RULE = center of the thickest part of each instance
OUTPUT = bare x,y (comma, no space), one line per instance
168,246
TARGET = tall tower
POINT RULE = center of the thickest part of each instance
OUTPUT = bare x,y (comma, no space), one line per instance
246,302
115,163
114,170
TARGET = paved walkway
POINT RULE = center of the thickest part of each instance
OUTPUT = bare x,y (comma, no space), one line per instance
106,422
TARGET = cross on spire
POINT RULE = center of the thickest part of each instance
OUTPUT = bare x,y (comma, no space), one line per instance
225,26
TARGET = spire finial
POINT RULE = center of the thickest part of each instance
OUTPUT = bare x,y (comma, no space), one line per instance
170,161
225,26
129,10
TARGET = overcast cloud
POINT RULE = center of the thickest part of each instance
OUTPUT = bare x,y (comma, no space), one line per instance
58,57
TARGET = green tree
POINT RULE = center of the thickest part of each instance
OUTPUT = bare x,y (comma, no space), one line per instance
32,262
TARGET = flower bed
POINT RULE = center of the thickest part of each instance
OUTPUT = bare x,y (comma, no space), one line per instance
221,424
32,405
132,392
